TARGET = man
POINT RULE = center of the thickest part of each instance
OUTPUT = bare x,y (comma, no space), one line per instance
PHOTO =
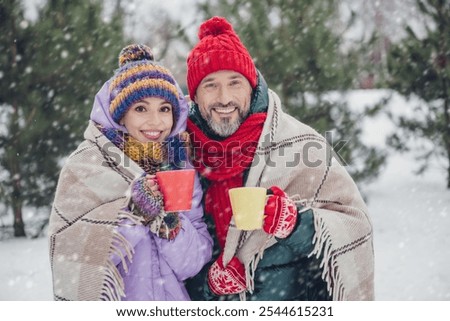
316,239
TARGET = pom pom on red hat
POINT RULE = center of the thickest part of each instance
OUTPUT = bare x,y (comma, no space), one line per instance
219,48
214,27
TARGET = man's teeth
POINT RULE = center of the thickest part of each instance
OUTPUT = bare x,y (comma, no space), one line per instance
225,110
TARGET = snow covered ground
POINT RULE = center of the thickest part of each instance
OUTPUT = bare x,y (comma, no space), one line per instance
410,214
25,270
411,218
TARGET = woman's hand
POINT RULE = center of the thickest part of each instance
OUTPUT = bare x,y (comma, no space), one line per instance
146,196
152,184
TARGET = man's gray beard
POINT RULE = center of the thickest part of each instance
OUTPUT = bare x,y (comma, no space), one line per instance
226,128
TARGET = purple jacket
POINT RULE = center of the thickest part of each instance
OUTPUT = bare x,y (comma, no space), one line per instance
159,267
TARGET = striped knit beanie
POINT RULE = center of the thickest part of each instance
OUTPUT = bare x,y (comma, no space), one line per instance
140,77
219,48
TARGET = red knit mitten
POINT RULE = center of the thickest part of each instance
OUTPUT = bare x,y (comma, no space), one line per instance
227,280
280,214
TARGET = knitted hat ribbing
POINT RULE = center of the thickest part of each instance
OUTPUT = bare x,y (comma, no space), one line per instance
140,77
219,48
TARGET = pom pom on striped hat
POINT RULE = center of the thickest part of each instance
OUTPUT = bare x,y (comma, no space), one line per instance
140,77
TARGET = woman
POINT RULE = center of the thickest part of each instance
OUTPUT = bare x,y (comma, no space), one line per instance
110,238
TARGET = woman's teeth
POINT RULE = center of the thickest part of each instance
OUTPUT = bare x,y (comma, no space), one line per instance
152,134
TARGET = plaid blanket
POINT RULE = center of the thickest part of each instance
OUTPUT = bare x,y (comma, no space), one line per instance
92,191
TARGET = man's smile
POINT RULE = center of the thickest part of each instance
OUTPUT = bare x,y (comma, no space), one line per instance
224,110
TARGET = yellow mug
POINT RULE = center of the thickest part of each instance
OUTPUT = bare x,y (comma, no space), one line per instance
247,204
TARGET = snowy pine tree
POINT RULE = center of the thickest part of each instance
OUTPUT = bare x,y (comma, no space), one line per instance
50,70
420,65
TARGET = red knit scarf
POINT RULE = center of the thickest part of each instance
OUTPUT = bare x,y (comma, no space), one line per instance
223,164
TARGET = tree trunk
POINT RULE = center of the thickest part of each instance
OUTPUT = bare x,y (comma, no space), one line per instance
19,226
14,152
448,171
442,66
447,131
14,164
445,84
447,125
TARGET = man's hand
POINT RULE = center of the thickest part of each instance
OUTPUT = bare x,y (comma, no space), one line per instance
280,214
227,280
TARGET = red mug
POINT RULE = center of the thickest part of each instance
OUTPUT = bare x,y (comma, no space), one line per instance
177,187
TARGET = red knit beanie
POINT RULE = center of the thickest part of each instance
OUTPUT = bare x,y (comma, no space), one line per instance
219,48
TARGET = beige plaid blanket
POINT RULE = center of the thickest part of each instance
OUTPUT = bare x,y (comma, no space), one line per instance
93,189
